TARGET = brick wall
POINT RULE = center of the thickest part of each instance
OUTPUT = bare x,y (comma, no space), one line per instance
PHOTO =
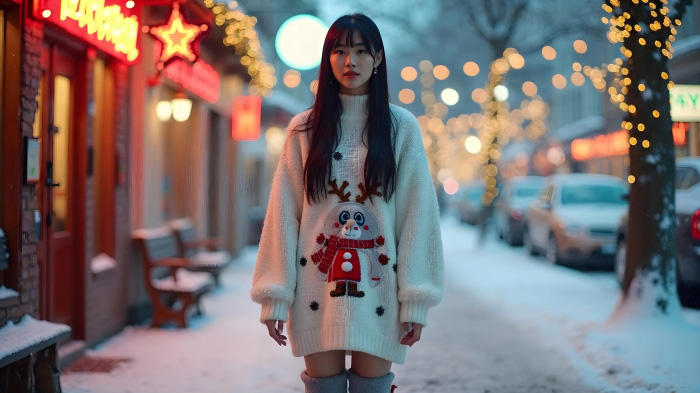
23,275
106,293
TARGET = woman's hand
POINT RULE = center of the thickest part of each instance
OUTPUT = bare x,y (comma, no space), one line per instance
276,333
413,335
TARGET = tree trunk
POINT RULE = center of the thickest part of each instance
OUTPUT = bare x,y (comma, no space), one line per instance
649,287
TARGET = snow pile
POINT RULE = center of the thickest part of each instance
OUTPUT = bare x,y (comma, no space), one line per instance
6,293
101,263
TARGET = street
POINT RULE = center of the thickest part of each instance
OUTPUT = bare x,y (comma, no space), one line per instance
476,340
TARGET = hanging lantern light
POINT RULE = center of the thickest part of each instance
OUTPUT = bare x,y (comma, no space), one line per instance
181,106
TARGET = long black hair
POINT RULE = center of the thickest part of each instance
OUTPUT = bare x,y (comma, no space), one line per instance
324,120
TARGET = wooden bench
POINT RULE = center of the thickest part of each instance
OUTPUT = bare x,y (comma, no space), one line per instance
173,289
28,359
204,254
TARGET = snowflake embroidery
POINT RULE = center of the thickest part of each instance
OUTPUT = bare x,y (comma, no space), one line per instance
338,156
314,306
380,311
302,262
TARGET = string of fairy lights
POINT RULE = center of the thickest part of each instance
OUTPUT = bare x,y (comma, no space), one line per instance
241,35
622,25
496,125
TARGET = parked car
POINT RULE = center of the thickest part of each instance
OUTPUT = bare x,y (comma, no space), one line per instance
510,206
575,219
469,202
687,236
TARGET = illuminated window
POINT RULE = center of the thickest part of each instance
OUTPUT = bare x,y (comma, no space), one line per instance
103,171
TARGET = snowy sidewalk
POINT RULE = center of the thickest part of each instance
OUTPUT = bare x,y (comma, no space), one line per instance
509,323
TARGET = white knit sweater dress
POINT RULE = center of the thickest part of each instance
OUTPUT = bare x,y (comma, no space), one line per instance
345,273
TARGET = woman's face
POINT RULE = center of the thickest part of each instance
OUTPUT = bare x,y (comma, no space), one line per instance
353,66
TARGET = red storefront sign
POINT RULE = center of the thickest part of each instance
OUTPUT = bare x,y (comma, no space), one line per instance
199,78
246,118
110,25
616,143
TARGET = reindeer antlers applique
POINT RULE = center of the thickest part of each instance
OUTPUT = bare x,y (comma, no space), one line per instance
344,197
367,193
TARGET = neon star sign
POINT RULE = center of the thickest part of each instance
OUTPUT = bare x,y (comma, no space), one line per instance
178,38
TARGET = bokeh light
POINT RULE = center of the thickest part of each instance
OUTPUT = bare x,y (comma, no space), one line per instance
578,79
407,96
471,69
313,86
441,72
549,53
409,74
500,92
559,81
451,186
425,66
299,41
472,144
449,96
479,95
516,60
529,89
580,46
292,78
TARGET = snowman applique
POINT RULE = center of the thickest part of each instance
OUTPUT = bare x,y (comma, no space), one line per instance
349,229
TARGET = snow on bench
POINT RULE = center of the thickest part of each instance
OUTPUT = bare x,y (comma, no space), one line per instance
28,336
186,282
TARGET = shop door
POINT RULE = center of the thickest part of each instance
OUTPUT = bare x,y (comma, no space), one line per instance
56,120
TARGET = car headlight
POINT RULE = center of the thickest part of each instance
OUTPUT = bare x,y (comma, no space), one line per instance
575,231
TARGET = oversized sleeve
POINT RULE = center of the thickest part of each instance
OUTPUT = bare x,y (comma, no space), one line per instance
274,279
420,264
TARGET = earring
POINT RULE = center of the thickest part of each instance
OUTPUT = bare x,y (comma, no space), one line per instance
375,70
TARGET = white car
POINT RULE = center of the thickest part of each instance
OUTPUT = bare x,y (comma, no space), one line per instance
575,219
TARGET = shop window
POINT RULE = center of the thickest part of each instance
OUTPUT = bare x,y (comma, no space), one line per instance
61,143
103,148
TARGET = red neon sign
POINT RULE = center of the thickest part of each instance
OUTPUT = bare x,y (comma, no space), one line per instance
616,143
109,25
199,78
246,118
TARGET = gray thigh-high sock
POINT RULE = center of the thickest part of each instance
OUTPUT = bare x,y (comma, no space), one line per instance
333,384
360,384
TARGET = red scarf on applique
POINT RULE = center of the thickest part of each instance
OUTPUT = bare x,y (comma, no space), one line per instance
334,243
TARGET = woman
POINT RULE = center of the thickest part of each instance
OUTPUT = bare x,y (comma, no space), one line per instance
350,249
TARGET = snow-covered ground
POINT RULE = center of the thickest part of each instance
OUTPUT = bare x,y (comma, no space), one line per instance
509,323
571,309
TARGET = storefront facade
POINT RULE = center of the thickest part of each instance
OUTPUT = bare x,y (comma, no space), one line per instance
74,233
186,166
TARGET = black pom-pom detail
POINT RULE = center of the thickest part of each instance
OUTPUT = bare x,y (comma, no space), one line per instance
314,306
395,267
302,262
380,311
337,156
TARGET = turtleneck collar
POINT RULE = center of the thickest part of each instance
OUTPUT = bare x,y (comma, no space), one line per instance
354,106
